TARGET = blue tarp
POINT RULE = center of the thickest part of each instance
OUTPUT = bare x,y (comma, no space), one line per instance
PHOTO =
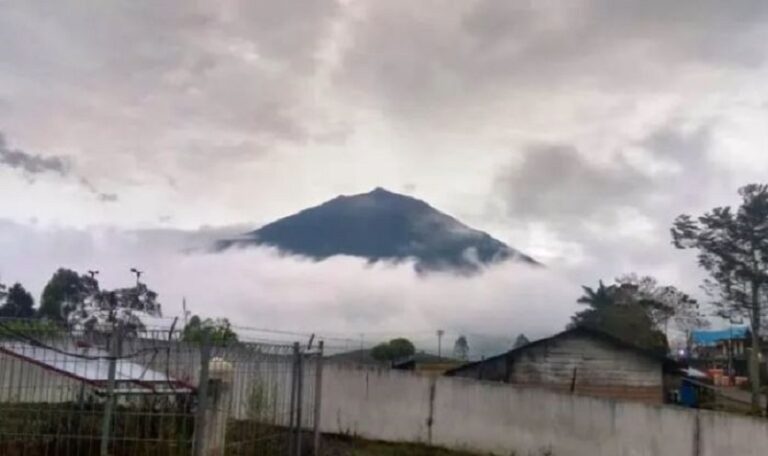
710,338
689,394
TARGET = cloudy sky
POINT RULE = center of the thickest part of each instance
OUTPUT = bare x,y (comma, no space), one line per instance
572,130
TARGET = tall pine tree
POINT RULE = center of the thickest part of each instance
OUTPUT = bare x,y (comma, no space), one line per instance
461,348
732,247
18,303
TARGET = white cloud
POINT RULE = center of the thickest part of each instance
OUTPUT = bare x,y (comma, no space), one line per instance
257,287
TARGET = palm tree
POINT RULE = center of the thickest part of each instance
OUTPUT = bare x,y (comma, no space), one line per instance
597,298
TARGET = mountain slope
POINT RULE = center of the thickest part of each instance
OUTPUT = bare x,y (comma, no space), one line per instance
381,225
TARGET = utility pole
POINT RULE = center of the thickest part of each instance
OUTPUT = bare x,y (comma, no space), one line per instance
731,368
184,310
93,273
440,333
138,275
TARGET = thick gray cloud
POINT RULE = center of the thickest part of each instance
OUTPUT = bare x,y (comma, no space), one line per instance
223,64
30,163
561,182
575,131
615,214
466,53
33,165
556,181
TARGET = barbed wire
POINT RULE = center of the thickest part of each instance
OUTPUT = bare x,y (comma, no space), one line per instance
33,341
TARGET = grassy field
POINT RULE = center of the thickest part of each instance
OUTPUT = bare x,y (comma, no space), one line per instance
341,446
74,430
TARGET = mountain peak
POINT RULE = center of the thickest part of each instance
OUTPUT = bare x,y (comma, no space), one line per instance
383,225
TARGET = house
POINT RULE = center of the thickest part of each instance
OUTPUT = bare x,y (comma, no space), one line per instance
580,361
720,344
419,362
426,364
725,354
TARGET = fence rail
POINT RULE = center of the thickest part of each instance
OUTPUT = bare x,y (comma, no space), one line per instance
131,393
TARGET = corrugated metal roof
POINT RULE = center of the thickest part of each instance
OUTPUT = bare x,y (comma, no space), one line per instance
94,369
710,338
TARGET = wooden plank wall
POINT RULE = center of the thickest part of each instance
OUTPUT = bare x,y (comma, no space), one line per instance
579,363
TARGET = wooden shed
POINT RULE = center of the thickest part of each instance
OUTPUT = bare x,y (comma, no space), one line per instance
580,361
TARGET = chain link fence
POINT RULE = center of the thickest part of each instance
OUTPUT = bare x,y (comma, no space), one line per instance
124,393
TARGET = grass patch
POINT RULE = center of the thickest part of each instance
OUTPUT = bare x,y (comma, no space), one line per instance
347,446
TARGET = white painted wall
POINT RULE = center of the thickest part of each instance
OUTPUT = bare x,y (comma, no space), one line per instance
377,403
725,434
21,381
504,419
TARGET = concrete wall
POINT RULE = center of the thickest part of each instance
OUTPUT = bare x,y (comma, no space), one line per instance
505,419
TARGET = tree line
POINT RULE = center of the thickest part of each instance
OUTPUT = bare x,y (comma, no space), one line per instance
77,300
731,244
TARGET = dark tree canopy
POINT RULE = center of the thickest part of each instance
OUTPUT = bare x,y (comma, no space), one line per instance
521,341
18,303
665,304
393,350
218,332
461,348
732,246
64,292
618,311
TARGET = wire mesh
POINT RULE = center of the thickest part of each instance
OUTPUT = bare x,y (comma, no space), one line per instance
267,413
131,393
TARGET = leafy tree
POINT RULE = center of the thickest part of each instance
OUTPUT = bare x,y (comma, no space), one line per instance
393,350
521,341
689,319
64,292
100,310
663,303
219,331
401,347
18,303
140,298
618,311
461,348
732,247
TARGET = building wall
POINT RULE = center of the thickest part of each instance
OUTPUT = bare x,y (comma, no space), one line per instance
592,366
506,419
21,381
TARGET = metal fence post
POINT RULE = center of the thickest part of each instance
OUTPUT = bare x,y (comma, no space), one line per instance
109,406
292,412
318,397
202,397
299,397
